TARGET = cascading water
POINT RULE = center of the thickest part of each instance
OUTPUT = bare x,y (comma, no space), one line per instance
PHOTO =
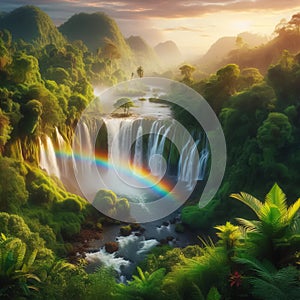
190,168
48,159
138,150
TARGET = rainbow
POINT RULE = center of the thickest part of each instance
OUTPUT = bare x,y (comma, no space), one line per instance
142,175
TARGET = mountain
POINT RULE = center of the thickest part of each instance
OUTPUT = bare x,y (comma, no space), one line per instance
223,46
168,53
31,24
94,30
144,55
267,54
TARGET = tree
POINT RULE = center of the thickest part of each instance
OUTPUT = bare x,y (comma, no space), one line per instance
239,42
228,78
249,77
125,104
275,132
25,69
186,71
295,22
140,71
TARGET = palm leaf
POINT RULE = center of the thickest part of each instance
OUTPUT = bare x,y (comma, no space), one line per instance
266,290
292,210
277,197
249,200
249,225
271,215
265,271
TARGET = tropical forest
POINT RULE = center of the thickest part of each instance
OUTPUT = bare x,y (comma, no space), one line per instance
134,167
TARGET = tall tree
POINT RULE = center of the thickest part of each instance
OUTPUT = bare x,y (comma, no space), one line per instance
187,71
140,71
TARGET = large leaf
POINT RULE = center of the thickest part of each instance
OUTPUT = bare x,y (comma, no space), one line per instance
271,215
249,200
277,197
292,210
249,225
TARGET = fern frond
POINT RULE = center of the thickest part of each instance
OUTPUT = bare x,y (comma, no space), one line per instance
141,274
31,258
20,256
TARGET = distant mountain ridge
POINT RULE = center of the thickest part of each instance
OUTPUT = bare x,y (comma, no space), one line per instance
169,53
31,24
143,53
219,50
94,29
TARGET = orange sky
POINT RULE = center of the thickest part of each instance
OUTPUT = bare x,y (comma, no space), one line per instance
193,25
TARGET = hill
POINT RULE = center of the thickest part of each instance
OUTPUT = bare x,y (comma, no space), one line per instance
168,53
143,54
223,46
32,25
94,30
262,57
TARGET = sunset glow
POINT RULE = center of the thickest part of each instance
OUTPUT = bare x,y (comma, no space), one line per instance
192,25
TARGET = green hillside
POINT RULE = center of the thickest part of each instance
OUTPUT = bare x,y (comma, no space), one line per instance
31,24
94,30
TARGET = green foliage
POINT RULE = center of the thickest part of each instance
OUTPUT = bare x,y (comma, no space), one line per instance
32,112
5,130
144,286
32,25
276,226
107,202
186,71
125,104
25,69
169,258
249,77
197,218
269,283
13,193
52,114
230,236
205,271
275,132
16,271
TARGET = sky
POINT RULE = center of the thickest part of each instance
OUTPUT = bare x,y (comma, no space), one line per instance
192,25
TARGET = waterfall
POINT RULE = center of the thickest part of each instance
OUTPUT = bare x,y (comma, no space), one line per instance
204,155
63,148
48,159
138,150
113,129
123,132
126,140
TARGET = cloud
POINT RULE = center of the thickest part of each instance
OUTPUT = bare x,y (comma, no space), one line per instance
133,9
